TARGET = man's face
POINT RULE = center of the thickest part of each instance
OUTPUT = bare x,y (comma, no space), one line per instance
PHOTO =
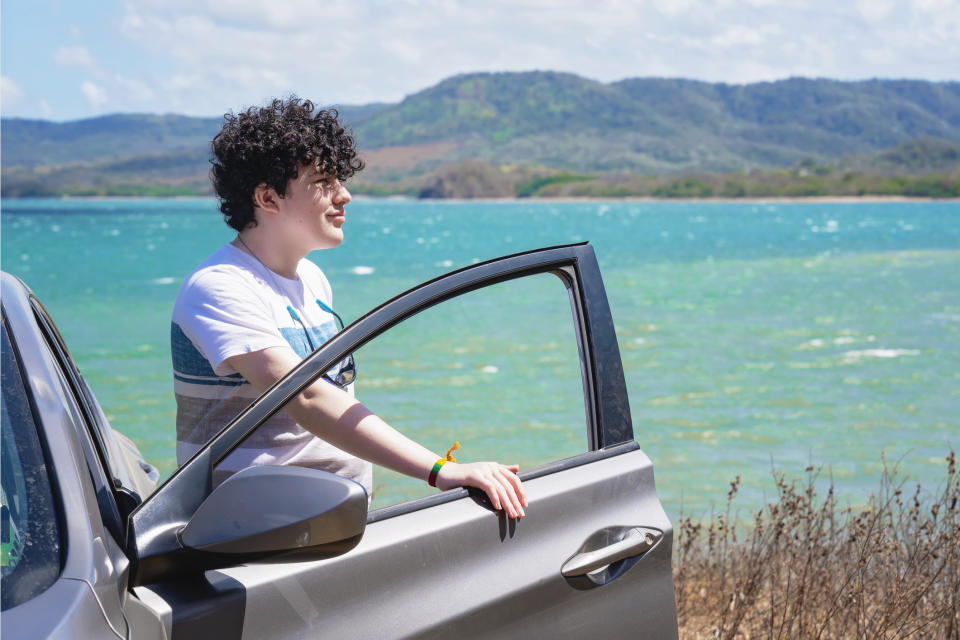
313,209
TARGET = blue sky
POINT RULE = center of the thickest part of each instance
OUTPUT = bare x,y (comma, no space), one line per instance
64,60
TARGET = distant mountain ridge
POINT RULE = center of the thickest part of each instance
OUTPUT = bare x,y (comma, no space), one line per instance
540,119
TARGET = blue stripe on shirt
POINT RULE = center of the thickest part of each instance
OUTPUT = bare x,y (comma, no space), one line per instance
188,361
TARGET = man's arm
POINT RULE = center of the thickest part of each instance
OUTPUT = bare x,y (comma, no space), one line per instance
334,415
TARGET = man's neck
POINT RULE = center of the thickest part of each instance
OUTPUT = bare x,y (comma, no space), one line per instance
271,254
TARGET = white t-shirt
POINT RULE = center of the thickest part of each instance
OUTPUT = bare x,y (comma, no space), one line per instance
230,305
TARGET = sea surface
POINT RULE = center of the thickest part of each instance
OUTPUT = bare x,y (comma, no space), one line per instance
754,336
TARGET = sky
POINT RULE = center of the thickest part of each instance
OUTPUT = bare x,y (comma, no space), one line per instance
69,59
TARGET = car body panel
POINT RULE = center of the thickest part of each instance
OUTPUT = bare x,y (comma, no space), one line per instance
68,609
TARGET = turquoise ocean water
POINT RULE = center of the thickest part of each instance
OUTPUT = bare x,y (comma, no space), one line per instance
753,335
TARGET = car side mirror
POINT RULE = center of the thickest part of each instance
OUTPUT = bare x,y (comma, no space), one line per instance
266,510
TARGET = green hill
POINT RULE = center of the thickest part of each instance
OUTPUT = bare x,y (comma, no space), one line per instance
546,123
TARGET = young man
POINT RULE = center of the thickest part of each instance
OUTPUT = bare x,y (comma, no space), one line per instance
256,307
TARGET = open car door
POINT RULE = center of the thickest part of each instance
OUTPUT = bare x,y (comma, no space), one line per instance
592,557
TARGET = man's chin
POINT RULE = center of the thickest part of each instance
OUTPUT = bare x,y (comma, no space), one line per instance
331,241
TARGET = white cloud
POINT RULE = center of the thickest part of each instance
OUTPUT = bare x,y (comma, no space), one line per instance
74,56
135,88
933,5
96,96
740,35
878,55
874,10
10,93
204,57
44,110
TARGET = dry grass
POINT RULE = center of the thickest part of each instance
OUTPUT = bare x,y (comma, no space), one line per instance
806,567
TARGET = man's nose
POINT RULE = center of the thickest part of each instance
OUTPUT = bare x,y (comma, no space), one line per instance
343,195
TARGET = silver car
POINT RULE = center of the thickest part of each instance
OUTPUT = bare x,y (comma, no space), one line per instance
91,549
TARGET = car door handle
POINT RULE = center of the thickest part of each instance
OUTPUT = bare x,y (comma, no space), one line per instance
635,542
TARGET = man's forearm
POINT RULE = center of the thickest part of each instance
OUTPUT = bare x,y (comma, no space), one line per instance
338,418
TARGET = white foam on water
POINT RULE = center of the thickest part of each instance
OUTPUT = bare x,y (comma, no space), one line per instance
812,344
880,353
164,280
843,340
445,263
490,369
362,270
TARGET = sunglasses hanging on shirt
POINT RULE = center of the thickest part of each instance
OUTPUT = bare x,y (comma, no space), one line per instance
347,368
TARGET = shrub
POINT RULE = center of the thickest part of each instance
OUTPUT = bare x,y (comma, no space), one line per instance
805,567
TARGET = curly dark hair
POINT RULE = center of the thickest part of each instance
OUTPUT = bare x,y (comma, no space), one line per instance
268,144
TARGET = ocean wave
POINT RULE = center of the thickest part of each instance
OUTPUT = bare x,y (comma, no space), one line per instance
879,353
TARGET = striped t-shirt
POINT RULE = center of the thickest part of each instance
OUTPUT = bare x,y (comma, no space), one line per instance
232,305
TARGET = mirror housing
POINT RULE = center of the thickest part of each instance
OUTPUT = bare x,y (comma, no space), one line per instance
266,510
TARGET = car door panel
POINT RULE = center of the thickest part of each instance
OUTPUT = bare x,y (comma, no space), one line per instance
459,568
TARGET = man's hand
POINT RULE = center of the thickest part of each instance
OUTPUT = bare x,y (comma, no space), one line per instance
499,481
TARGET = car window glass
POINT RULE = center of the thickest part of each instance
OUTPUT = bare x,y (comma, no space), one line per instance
496,369
28,521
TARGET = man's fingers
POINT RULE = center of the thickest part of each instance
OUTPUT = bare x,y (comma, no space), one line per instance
505,500
514,480
512,488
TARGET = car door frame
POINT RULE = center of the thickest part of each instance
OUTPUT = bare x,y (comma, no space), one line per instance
153,543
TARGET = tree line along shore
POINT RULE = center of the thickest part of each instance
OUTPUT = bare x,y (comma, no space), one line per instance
476,179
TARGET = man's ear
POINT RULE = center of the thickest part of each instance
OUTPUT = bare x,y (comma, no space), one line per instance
265,198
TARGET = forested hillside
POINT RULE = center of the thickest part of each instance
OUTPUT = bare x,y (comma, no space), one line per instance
533,126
